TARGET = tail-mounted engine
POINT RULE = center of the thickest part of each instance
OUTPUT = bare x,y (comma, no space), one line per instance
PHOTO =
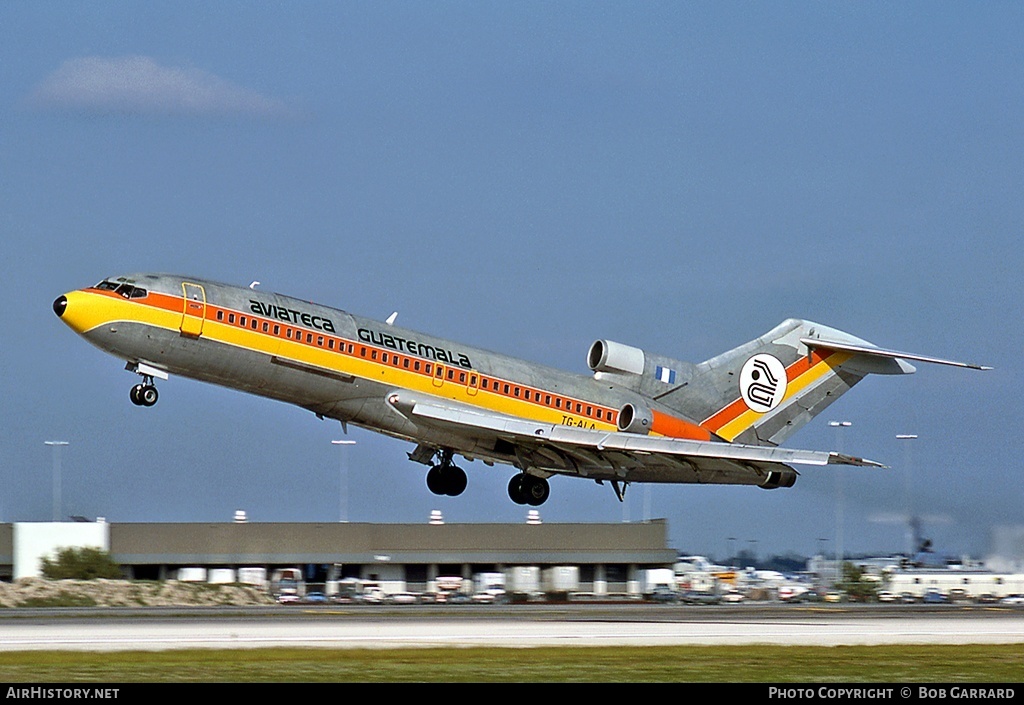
643,372
609,356
635,419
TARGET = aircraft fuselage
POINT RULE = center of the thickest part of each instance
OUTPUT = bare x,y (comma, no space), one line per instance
329,361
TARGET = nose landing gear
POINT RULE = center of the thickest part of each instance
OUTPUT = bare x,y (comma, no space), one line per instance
144,394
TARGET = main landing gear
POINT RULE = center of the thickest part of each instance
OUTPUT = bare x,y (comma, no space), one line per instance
528,489
144,394
446,478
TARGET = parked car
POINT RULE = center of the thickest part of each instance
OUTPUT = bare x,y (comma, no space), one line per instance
697,597
733,597
402,598
664,594
315,598
886,596
934,597
959,595
489,597
288,599
1016,599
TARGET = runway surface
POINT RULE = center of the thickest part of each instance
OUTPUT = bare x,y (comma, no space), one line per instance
516,626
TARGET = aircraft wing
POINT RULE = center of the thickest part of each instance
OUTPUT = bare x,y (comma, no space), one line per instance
558,449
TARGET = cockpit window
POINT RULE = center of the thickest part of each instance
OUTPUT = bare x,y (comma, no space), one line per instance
130,292
106,286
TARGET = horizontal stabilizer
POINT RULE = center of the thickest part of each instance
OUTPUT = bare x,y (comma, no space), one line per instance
880,352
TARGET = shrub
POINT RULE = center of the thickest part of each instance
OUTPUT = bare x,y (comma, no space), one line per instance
85,563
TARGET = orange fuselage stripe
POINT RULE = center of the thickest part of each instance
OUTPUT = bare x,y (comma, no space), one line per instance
737,417
368,361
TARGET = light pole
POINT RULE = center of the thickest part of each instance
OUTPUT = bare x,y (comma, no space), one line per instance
343,482
820,574
56,445
911,548
838,426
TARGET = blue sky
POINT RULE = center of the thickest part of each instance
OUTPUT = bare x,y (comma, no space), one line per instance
525,177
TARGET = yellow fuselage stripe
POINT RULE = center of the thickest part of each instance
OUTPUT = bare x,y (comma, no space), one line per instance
749,417
97,309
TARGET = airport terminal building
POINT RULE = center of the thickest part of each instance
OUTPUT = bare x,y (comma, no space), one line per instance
611,558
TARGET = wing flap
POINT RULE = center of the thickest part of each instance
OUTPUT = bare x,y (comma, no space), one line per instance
626,455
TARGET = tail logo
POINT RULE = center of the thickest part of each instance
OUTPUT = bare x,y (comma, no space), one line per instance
763,382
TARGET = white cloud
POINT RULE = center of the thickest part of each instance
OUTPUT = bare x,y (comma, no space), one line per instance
139,85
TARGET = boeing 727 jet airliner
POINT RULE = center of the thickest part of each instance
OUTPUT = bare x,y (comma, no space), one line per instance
641,417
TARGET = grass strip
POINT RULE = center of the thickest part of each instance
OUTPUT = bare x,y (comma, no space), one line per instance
712,664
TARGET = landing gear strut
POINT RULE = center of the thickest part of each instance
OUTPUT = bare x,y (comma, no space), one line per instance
446,478
144,394
528,489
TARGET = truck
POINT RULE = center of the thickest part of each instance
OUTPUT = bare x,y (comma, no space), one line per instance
450,588
357,590
287,584
558,582
662,579
489,587
522,582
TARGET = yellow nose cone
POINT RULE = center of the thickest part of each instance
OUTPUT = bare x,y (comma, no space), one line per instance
82,311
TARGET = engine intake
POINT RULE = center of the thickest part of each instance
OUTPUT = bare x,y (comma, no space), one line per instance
633,419
609,356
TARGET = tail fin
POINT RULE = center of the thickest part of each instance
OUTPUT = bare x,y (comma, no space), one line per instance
764,391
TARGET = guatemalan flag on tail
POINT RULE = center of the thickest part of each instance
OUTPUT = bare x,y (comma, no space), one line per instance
666,375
